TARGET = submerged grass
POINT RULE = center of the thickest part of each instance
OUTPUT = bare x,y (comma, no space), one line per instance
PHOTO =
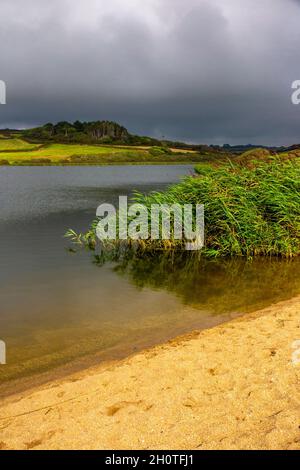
249,211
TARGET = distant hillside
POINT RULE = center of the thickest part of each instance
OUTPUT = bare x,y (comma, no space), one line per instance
80,132
108,133
95,132
112,133
109,143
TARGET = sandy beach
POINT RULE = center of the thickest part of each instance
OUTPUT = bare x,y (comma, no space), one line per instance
231,387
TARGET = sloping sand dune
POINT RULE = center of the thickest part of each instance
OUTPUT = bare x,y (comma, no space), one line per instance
232,387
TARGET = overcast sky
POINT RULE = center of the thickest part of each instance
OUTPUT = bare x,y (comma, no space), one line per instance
213,71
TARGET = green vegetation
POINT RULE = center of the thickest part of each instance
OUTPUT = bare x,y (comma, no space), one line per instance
64,153
13,144
79,132
108,143
105,133
17,151
159,151
94,143
250,210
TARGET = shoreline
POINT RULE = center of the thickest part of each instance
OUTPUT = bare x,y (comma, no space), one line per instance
116,163
104,358
233,386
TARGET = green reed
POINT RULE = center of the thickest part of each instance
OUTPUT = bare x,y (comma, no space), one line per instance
249,211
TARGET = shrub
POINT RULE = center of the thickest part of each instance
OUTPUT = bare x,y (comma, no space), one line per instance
158,151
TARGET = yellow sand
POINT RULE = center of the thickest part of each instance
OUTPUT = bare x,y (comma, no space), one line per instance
231,387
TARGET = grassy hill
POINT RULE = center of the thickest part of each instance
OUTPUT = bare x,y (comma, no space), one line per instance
17,151
12,144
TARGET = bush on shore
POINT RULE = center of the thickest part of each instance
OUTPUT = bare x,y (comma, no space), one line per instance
249,211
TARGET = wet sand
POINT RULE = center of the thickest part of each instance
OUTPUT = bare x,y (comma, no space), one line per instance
231,387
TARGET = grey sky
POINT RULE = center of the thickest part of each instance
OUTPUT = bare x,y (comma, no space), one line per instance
210,71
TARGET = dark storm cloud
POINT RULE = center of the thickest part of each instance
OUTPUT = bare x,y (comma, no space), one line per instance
210,71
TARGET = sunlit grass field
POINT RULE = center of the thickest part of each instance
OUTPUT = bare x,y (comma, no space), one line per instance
16,151
15,144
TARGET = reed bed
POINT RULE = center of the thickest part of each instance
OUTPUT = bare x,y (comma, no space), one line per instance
249,211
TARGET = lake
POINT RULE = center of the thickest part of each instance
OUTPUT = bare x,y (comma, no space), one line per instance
61,311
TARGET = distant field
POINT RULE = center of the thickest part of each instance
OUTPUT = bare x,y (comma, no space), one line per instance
15,144
16,151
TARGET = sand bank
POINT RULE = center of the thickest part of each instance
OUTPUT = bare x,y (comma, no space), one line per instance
231,387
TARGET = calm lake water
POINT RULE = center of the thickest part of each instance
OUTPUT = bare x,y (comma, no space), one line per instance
60,309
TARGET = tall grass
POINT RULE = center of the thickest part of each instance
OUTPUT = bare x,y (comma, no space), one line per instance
248,211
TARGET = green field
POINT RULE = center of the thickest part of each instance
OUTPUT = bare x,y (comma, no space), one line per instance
15,144
16,151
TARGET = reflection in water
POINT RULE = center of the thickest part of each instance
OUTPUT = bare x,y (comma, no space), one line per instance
132,301
227,286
